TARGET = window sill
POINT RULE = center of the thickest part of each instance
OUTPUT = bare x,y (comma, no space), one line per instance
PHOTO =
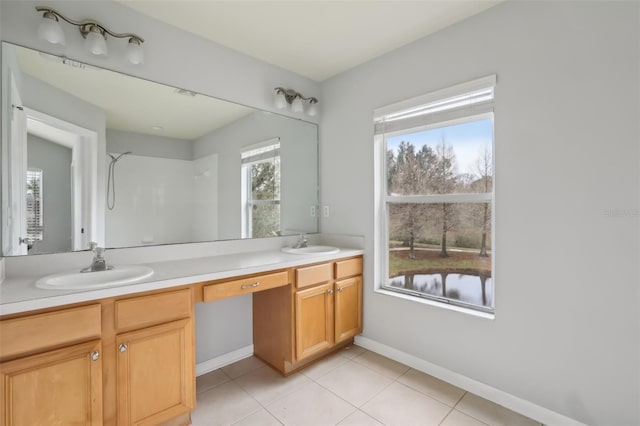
472,312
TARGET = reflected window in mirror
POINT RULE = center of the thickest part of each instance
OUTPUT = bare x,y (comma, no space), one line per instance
35,220
261,194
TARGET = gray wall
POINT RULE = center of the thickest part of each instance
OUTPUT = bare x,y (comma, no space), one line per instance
149,145
55,162
566,329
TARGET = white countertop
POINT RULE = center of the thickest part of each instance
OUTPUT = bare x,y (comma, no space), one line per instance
19,294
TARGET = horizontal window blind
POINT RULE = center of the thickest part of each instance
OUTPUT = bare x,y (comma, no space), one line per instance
35,222
261,152
458,102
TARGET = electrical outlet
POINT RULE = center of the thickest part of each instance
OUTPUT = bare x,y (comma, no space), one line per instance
325,211
313,211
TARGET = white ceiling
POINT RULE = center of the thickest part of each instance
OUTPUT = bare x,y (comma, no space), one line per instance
133,104
316,39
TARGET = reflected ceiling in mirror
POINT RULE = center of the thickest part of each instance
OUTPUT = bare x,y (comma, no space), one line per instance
128,162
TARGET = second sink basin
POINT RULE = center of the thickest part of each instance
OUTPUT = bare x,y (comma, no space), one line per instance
311,250
71,280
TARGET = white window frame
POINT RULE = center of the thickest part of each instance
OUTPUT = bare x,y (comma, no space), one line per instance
411,115
263,152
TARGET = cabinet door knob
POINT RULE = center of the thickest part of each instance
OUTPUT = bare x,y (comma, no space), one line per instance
123,347
339,289
95,355
330,291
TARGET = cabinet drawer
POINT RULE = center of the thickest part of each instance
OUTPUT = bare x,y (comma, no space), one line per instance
348,268
313,275
153,309
42,331
244,286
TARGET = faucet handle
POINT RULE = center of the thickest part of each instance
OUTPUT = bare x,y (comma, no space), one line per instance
93,245
99,251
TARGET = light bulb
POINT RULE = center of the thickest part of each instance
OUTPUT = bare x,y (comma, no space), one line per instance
296,105
313,108
96,42
50,30
280,101
134,53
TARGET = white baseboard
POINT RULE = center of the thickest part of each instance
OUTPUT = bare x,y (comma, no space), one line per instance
505,399
223,360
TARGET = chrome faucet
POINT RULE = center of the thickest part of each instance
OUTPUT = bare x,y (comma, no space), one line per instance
302,241
99,263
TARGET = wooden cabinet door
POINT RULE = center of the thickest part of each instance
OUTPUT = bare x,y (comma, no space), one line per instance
348,313
314,320
155,369
60,387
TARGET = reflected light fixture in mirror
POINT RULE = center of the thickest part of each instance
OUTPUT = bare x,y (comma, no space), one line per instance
95,35
295,99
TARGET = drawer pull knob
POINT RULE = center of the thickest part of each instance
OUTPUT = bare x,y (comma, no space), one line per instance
339,289
95,355
123,347
245,286
330,291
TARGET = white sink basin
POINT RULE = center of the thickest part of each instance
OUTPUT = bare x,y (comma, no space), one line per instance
119,275
311,250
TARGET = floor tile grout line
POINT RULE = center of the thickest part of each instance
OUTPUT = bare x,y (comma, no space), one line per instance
378,372
432,396
263,406
382,374
358,407
445,417
279,397
460,399
246,372
473,417
342,419
335,394
328,371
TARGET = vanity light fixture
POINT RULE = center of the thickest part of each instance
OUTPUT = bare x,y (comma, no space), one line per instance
94,33
295,99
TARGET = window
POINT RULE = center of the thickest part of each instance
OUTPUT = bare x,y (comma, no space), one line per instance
35,227
261,190
437,195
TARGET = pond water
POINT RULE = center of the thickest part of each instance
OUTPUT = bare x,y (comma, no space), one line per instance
473,289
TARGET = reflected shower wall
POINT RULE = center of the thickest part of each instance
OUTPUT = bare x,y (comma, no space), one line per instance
161,195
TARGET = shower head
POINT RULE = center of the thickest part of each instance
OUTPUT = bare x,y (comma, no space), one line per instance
116,158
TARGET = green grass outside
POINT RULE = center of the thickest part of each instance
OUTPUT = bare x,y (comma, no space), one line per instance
429,261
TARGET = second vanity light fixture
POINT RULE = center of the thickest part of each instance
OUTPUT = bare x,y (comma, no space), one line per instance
94,33
293,98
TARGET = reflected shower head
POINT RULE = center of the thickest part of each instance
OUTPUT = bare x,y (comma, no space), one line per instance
111,179
116,158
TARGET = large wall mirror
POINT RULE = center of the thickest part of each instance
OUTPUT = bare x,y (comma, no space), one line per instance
89,154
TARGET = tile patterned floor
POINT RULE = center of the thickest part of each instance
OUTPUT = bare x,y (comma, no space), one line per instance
353,387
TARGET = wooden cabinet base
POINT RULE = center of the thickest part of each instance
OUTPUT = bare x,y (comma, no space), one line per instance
287,368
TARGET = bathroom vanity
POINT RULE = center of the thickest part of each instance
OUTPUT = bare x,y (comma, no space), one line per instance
128,358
